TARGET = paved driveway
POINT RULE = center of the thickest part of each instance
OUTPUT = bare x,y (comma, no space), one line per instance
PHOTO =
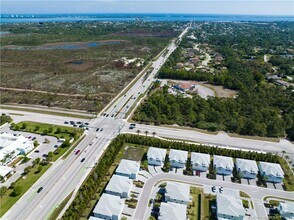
270,185
227,178
279,186
158,169
151,170
252,182
219,177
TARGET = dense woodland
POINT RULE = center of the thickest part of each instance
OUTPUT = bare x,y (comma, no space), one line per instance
261,108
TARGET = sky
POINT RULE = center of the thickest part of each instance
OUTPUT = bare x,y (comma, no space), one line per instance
249,7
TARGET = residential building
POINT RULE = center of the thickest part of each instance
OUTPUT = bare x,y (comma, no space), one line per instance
94,218
178,158
200,162
119,186
109,207
223,165
229,207
13,145
271,172
177,192
172,211
156,156
286,210
247,168
128,168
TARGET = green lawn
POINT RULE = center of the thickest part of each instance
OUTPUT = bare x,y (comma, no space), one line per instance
41,128
8,201
133,153
72,115
194,212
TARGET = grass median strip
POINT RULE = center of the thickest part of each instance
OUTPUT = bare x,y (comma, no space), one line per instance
72,115
22,185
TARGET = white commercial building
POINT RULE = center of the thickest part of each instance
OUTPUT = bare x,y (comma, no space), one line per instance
286,210
178,158
200,162
156,156
119,186
177,192
172,211
109,207
5,171
247,168
272,172
223,165
11,146
128,168
229,207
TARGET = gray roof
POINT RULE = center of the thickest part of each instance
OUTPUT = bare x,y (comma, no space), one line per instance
224,162
229,205
172,211
178,155
201,159
128,167
273,169
179,191
247,165
4,170
109,205
156,153
119,184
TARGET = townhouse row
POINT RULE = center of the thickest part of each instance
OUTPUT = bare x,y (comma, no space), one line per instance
248,169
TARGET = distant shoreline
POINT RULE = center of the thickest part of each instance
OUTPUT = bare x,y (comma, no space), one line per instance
29,18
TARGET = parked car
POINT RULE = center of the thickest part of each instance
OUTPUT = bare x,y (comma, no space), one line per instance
213,189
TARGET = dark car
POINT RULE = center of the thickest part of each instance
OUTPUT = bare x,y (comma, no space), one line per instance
37,151
107,115
34,138
72,122
97,129
83,160
77,152
101,129
66,122
40,189
86,123
112,115
79,122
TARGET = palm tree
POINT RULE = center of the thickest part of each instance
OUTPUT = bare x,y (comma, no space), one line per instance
138,132
153,133
146,132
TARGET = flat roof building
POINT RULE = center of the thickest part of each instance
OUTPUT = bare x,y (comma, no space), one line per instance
200,162
223,165
178,158
5,171
229,207
13,145
156,156
109,207
247,168
271,172
172,211
119,186
128,168
177,192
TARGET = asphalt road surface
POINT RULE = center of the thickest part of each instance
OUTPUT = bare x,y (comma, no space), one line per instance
66,175
256,193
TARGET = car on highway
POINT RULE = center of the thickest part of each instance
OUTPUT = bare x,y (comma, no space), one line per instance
107,115
77,152
213,189
101,129
79,122
66,122
34,138
112,115
104,114
82,160
37,151
75,125
221,190
29,137
72,122
40,189
86,123
97,129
